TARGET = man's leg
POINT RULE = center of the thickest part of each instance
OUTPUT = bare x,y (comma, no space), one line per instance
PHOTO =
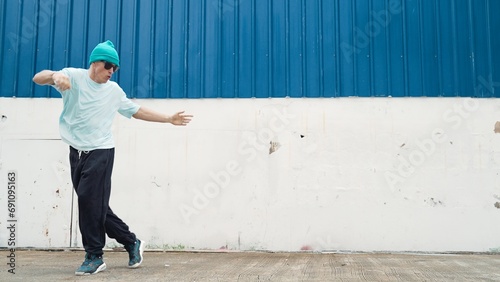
91,176
93,190
117,229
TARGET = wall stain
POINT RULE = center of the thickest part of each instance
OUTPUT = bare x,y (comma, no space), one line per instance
153,181
274,146
306,248
497,127
434,202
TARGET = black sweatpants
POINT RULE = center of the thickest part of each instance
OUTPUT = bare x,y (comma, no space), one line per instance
91,176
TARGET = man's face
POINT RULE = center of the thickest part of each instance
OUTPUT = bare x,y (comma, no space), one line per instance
101,74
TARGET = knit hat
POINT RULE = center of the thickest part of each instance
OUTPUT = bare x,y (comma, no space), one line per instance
105,51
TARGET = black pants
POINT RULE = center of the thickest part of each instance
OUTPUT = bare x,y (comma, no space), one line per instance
91,176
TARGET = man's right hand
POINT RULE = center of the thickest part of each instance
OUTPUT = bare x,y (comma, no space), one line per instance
61,81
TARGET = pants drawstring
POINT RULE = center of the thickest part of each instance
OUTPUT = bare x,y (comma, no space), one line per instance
80,153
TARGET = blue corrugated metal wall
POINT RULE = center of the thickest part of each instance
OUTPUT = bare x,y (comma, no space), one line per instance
260,48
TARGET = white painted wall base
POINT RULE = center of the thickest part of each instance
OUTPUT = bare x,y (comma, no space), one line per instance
358,174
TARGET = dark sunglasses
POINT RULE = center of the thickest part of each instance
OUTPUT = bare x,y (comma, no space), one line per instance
108,65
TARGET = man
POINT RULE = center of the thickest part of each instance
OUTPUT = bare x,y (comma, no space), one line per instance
90,102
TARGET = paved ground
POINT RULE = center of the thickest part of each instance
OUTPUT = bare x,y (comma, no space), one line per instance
256,266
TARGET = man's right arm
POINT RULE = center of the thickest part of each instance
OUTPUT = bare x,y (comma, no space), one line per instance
48,77
44,77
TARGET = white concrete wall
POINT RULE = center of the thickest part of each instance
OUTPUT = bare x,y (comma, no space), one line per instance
357,174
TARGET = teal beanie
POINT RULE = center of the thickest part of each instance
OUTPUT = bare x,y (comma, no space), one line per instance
105,51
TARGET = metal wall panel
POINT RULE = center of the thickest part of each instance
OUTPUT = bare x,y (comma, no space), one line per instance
260,48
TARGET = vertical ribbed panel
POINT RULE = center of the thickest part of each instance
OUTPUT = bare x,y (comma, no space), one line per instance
260,48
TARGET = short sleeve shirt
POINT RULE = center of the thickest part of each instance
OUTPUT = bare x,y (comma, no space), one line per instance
89,110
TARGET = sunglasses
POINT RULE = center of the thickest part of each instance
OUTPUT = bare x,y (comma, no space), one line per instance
108,65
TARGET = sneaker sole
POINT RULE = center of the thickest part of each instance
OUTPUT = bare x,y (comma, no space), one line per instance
99,269
141,251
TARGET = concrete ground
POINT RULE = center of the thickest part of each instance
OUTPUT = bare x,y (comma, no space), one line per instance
255,266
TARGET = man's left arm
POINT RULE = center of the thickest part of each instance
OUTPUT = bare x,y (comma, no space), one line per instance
147,114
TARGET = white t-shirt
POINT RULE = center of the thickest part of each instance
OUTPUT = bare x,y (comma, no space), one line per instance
89,110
